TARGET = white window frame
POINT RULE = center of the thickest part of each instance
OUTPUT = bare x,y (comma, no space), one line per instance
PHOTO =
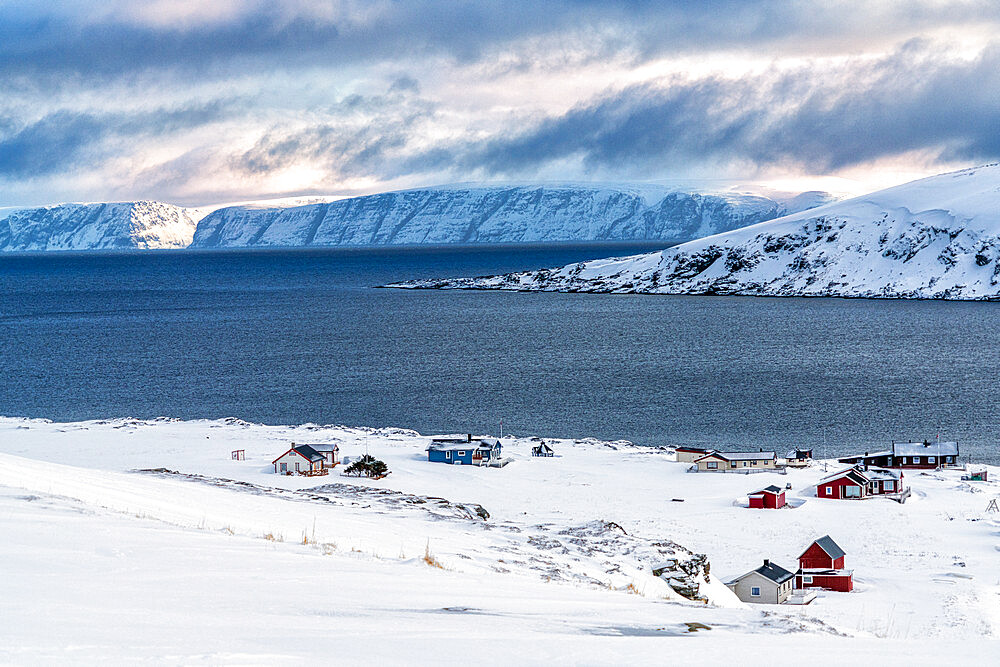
712,465
283,467
916,460
460,452
949,459
755,588
889,485
932,459
447,455
829,490
807,579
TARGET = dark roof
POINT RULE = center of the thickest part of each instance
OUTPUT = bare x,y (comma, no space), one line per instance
309,452
769,489
831,548
775,573
542,446
685,448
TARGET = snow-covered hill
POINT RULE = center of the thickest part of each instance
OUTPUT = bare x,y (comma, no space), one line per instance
150,530
937,237
497,214
123,225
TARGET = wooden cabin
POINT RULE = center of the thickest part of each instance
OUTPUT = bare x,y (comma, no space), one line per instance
821,565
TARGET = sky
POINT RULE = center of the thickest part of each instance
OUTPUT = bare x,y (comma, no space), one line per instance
196,102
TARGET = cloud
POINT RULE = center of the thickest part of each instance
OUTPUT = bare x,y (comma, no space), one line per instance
815,118
222,39
62,140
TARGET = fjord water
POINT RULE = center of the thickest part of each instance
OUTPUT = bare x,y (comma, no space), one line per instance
302,336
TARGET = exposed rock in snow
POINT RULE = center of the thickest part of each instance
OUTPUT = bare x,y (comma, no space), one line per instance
937,238
124,225
497,214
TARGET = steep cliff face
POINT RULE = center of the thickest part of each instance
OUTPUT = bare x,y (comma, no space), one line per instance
514,214
936,238
124,225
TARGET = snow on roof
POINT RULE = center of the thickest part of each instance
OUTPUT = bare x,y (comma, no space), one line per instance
925,449
769,489
855,473
882,473
453,446
742,456
858,457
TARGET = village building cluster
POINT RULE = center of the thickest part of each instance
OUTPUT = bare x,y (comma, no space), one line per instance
821,565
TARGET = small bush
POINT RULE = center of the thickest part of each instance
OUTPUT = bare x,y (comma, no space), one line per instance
367,466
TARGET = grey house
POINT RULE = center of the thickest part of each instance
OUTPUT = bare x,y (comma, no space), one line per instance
768,584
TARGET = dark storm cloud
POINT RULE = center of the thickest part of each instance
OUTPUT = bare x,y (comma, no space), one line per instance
816,118
56,40
63,139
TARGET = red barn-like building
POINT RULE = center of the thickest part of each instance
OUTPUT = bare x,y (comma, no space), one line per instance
770,497
822,566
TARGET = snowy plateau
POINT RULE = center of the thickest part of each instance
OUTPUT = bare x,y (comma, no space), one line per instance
450,214
143,540
935,238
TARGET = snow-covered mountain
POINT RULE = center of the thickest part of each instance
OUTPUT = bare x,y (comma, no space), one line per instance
937,237
123,225
497,214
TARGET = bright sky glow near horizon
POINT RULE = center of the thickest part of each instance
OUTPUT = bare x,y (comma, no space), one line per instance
201,102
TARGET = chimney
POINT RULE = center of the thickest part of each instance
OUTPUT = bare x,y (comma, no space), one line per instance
866,453
468,437
767,563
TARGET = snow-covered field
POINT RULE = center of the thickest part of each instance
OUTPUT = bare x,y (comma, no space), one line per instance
228,562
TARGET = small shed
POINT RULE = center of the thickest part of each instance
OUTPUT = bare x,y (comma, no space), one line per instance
541,449
770,497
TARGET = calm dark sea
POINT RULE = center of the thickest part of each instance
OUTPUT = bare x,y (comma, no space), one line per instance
301,336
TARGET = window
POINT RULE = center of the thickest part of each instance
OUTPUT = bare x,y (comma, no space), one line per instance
889,485
931,459
744,464
284,467
712,465
916,460
296,466
949,459
755,591
807,579
461,453
829,490
732,464
852,491
447,455
753,463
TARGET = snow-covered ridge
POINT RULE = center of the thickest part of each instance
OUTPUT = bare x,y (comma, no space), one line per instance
497,214
937,237
121,225
447,214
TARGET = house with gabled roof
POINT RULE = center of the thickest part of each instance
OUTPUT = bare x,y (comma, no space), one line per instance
925,455
736,462
301,459
858,483
465,451
770,497
821,565
768,584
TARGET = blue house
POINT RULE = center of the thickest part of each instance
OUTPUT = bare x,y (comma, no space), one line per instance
464,451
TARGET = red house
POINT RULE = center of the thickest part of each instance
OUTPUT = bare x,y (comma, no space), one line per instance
822,566
770,497
858,482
